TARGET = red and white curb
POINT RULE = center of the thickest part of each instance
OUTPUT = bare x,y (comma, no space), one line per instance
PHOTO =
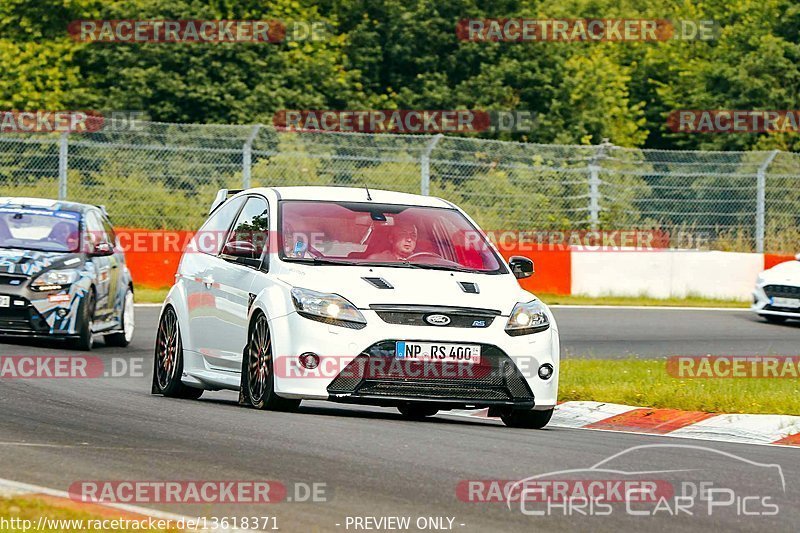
749,429
14,489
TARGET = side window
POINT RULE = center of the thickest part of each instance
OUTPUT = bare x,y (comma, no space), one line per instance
214,232
251,230
109,229
95,232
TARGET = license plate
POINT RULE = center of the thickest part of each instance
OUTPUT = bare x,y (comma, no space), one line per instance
785,302
5,301
469,354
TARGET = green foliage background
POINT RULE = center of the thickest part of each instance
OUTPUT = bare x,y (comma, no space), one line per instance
404,54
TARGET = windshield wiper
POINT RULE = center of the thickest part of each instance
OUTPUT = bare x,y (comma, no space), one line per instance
428,266
321,261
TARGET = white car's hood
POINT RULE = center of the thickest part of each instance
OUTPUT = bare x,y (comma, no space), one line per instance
411,286
783,273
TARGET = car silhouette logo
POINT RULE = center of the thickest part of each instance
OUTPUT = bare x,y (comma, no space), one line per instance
437,320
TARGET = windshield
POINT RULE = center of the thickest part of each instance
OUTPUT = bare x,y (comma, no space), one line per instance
39,229
383,234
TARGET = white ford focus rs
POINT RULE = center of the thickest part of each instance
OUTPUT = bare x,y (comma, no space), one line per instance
776,296
358,296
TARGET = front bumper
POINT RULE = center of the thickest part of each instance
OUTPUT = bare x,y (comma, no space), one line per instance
39,313
764,297
506,376
376,376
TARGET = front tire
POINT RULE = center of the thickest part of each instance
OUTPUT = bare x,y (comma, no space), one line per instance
168,360
85,339
527,419
257,388
123,338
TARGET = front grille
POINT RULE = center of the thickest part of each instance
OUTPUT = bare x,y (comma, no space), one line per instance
377,373
22,318
782,291
11,280
459,317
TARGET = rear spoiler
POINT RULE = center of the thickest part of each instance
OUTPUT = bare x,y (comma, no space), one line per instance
222,197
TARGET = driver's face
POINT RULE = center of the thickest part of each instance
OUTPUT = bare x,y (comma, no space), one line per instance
405,241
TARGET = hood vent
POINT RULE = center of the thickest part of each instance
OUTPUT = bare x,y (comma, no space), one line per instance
469,287
379,283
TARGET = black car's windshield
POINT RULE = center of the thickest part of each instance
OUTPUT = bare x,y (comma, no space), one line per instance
353,233
39,229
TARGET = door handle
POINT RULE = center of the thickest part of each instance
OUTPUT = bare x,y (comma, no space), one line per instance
208,281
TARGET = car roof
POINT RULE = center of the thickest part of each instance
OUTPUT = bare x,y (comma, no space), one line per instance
45,203
355,194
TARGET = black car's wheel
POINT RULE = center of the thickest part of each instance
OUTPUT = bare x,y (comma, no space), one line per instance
415,411
527,419
85,340
257,387
168,360
774,319
124,337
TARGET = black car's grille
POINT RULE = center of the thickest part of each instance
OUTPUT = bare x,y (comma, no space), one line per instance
457,317
782,291
22,318
377,373
11,280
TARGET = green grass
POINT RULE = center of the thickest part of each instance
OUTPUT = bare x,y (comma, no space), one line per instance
646,383
31,508
149,295
692,301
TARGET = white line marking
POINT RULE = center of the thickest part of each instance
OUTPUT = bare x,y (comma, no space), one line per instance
86,446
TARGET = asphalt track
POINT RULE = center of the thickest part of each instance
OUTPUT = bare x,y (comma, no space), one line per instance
376,464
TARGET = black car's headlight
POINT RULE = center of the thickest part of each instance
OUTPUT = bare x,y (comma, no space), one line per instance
526,318
55,279
328,308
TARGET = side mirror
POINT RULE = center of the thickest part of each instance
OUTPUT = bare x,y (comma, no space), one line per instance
102,249
241,252
521,267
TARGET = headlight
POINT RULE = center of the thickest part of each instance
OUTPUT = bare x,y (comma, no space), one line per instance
328,308
55,279
527,318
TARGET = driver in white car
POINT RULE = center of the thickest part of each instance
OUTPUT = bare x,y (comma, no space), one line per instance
402,243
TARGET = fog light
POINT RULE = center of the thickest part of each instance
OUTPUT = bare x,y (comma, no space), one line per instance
61,313
546,371
309,360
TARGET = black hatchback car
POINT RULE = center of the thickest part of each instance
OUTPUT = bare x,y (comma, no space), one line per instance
61,274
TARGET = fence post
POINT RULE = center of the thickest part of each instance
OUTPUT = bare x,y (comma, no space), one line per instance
761,201
594,184
62,166
425,165
247,156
